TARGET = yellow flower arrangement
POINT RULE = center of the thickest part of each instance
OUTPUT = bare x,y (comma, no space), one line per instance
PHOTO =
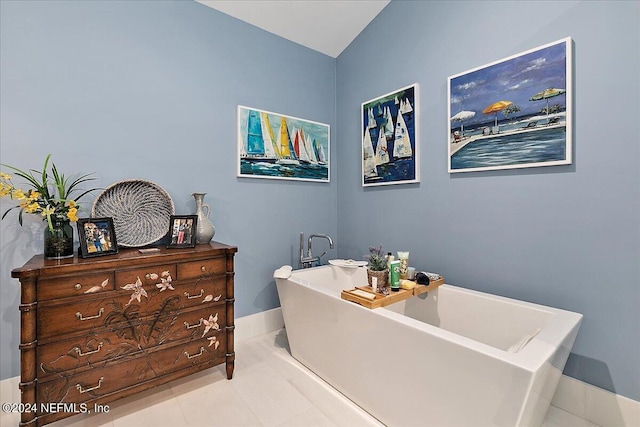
50,195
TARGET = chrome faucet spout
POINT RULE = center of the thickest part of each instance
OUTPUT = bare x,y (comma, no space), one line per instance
309,260
324,236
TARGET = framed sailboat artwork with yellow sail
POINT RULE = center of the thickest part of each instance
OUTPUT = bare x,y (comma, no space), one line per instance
276,146
390,150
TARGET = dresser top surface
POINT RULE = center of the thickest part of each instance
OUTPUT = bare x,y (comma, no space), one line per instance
39,266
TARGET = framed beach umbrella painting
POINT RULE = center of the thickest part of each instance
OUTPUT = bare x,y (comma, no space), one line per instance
389,138
512,113
272,145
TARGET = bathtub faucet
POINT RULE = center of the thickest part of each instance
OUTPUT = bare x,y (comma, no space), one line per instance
308,260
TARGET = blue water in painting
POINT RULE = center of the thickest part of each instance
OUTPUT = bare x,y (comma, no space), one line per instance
535,147
398,170
303,171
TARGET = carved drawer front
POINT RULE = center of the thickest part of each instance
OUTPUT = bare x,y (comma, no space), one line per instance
211,290
97,330
130,337
127,305
207,267
61,287
148,277
87,385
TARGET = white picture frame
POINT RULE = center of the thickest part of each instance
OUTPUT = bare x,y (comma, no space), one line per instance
533,93
390,144
276,146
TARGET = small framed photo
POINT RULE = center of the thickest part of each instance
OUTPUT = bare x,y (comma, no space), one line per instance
97,237
182,231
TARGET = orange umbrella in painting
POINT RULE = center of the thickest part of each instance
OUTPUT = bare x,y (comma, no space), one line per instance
495,107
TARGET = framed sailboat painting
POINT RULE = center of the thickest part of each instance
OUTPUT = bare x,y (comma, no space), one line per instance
276,146
389,138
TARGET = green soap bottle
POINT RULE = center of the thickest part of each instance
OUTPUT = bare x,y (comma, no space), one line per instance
394,274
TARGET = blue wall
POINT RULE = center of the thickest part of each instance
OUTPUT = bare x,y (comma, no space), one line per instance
567,236
124,89
149,90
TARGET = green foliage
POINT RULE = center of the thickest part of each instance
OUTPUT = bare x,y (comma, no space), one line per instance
51,193
376,259
511,109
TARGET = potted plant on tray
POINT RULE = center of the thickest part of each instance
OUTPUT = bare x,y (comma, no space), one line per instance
377,268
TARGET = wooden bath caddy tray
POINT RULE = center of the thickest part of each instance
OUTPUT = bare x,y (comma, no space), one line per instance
421,289
380,300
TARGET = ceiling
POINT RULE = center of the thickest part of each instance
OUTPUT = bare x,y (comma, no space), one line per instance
327,26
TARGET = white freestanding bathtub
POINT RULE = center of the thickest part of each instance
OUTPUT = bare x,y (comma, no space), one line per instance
454,358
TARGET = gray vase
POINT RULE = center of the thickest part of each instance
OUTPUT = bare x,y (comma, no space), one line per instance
205,229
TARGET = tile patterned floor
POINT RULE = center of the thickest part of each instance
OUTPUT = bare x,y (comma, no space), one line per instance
269,389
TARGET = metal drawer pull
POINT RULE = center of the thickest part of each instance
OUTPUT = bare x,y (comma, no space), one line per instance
79,387
77,286
189,296
193,326
79,315
203,268
195,355
80,353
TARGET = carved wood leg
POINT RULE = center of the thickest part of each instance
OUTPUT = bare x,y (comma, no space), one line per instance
231,355
28,342
230,366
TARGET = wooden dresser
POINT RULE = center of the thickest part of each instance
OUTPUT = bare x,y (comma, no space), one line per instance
99,329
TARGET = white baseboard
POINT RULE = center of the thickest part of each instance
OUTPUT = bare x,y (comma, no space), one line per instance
258,324
596,405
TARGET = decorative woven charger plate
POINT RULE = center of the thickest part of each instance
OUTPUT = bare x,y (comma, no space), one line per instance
141,211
